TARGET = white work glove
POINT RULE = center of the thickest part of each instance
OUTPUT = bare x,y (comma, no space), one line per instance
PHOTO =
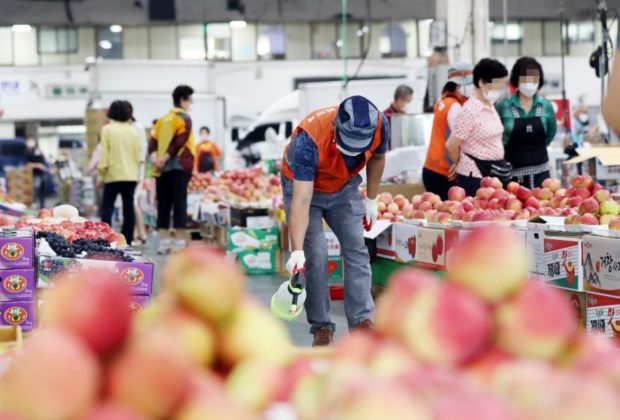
372,212
296,262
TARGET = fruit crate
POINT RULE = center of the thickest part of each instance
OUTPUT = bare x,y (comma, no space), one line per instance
10,338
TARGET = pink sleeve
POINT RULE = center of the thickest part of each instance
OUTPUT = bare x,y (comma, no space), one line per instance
463,124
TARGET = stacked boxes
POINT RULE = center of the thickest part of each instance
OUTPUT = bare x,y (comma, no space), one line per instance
256,250
18,306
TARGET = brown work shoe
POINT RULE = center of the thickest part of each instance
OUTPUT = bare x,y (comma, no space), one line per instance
365,325
323,336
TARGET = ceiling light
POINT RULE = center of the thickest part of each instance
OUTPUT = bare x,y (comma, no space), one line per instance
238,24
21,28
360,32
105,44
116,28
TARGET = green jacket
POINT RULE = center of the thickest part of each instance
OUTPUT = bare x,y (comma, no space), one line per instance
548,115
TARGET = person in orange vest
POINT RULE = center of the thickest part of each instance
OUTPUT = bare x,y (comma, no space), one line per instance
455,93
207,152
320,181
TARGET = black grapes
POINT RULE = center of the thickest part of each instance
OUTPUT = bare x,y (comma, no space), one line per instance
97,249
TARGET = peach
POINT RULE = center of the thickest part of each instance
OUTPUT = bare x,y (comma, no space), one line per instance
204,282
614,224
580,181
494,204
386,198
501,194
254,334
456,193
400,200
589,206
94,306
527,328
512,187
393,208
552,184
152,375
480,204
588,219
602,195
531,202
381,206
426,206
545,194
468,206
491,262
523,193
114,411
428,327
610,207
485,193
54,376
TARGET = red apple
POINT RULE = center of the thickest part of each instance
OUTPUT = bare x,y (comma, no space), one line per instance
580,181
531,202
512,187
574,202
523,193
545,194
552,184
602,195
94,306
522,215
456,194
561,192
485,193
614,224
588,219
114,411
589,206
584,193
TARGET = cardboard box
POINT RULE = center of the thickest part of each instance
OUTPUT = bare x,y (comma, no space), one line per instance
404,236
21,313
578,303
602,163
408,190
603,315
333,244
16,248
335,269
216,236
259,261
562,259
138,274
239,239
239,217
10,339
534,241
430,248
17,284
379,241
601,264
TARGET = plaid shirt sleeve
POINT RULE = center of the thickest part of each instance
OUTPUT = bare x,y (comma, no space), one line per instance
464,124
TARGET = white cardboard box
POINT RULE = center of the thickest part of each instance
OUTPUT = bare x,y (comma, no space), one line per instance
601,264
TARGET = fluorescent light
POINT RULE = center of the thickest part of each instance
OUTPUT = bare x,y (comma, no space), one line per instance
105,44
238,24
360,32
116,28
90,59
21,28
339,43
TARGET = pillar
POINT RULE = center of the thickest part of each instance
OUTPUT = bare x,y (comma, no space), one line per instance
467,33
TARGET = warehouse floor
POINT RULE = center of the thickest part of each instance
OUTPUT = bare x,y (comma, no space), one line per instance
262,288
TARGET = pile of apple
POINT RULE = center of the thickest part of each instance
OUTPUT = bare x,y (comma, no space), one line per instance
244,185
595,205
477,346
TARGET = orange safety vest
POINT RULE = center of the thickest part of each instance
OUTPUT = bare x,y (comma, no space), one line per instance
436,154
332,172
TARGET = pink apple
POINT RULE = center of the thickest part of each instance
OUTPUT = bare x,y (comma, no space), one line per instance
480,204
514,204
531,202
589,205
400,200
584,193
580,181
513,187
588,219
545,194
456,194
485,193
523,193
552,184
425,206
468,206
381,206
469,216
572,219
602,195
501,194
574,202
493,204
522,215
536,192
418,214
393,208
386,198
614,224
561,192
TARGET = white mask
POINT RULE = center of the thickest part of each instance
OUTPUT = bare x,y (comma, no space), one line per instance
31,144
346,152
493,95
528,89
583,118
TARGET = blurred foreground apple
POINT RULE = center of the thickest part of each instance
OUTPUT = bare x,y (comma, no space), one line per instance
491,262
94,305
54,377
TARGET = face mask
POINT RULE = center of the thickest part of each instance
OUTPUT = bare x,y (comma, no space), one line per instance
204,137
493,95
31,144
583,118
346,152
528,89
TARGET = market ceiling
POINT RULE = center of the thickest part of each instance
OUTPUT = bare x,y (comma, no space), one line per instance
135,12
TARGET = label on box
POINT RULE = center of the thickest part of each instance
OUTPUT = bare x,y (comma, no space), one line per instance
603,315
260,222
333,244
334,269
17,284
138,302
578,303
563,262
404,236
16,248
19,313
535,245
252,239
385,244
258,262
137,274
601,264
430,248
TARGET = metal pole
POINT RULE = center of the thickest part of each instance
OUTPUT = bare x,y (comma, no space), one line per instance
343,48
602,9
505,11
563,52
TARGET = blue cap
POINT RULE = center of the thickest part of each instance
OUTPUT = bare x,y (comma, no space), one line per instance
356,124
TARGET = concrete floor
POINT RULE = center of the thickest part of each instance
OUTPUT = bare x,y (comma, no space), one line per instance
262,288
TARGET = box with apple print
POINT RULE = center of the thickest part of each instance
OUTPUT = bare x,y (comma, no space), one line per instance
21,313
601,264
562,261
138,273
405,242
17,284
16,248
430,251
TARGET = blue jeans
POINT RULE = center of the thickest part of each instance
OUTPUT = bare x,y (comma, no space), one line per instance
343,211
